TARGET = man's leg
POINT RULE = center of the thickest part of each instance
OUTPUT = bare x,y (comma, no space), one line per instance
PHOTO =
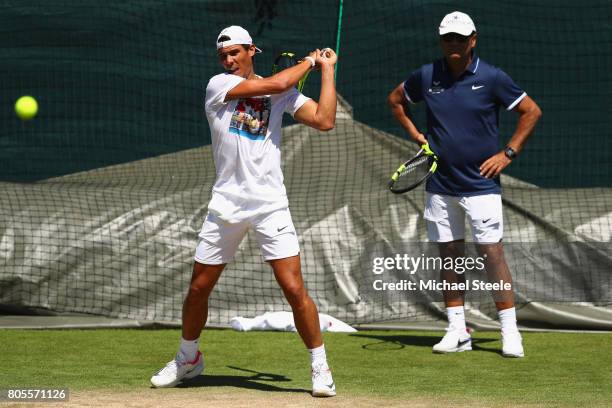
498,271
445,220
288,274
486,217
189,362
279,245
216,247
453,249
457,338
195,306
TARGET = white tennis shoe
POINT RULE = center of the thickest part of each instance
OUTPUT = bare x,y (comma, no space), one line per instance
454,341
512,345
322,381
177,370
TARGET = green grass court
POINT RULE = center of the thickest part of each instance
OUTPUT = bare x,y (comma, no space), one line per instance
560,369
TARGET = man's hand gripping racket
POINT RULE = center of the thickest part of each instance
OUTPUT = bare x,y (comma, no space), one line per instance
414,172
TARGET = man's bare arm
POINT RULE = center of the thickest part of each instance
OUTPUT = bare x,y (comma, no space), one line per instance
399,108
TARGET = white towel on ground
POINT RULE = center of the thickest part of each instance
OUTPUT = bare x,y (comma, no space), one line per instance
283,321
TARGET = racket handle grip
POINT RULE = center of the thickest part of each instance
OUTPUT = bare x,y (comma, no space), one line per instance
425,148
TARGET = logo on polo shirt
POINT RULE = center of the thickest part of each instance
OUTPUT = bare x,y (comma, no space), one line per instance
475,87
436,88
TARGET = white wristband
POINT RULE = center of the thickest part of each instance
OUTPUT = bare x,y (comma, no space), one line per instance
311,60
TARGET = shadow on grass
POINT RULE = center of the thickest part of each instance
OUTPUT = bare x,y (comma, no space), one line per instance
255,381
398,342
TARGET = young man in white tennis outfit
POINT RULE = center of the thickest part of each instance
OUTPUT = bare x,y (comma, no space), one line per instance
244,112
463,95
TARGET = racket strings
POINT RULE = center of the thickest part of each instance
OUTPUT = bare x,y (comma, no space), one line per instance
413,172
419,163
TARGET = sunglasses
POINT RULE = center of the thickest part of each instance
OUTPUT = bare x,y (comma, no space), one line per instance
454,37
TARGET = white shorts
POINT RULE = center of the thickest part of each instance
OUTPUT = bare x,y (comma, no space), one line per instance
445,217
218,240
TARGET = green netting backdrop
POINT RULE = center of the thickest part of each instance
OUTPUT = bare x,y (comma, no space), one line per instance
122,80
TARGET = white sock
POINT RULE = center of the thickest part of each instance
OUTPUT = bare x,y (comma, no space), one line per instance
507,318
317,355
456,317
189,349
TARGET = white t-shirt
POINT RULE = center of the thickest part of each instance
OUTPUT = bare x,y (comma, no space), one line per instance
246,137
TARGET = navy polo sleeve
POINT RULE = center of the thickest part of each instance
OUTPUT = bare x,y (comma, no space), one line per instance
507,91
413,88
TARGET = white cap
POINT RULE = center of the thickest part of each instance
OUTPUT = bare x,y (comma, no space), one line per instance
457,22
237,35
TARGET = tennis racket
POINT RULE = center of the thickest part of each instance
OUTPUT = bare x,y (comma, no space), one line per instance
414,172
285,60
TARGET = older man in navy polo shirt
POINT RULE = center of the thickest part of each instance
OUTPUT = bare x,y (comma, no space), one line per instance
463,95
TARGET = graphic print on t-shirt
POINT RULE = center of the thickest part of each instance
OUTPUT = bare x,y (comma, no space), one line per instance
250,118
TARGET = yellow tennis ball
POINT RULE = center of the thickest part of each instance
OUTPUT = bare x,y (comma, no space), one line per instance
26,107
